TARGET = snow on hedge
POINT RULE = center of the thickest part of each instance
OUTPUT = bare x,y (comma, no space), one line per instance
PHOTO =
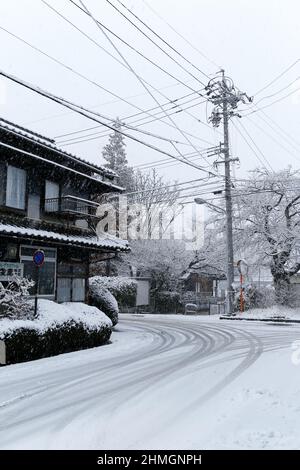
51,315
102,298
274,312
115,282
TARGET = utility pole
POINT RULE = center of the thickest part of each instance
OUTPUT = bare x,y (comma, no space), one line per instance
225,97
228,201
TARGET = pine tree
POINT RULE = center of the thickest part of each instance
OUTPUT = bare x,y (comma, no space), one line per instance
115,155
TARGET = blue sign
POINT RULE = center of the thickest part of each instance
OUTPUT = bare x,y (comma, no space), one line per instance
39,257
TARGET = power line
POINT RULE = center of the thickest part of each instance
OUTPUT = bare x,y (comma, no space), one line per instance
271,104
120,62
54,116
280,128
180,35
278,77
100,24
78,109
70,69
251,148
88,137
277,92
174,187
272,138
164,163
139,79
153,42
172,103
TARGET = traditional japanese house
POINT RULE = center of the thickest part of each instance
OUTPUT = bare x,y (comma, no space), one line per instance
48,202
200,282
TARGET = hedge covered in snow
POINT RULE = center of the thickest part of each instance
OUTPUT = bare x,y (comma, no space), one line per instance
102,298
167,302
58,328
124,289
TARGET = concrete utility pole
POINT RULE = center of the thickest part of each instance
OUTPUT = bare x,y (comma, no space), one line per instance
228,201
225,97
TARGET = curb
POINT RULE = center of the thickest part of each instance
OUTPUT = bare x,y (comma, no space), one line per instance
273,320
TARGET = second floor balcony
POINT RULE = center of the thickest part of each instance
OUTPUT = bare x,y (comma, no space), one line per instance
71,205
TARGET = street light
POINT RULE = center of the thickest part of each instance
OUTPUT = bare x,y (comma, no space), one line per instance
199,200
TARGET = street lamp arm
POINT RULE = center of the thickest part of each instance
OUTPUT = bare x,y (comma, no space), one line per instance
200,201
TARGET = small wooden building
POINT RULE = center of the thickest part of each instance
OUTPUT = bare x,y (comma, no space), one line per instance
48,201
200,280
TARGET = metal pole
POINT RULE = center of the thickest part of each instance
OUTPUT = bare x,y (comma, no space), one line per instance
228,201
37,279
241,294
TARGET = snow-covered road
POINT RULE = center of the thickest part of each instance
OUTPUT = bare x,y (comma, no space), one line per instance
165,382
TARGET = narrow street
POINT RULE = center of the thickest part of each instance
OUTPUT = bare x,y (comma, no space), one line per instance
164,382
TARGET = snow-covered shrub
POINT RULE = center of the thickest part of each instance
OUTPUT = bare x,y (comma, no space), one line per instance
14,298
102,298
167,302
255,297
124,289
58,328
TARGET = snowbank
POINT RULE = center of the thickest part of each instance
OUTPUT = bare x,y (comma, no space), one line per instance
51,315
271,313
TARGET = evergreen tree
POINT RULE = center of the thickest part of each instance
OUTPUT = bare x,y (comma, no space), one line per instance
115,155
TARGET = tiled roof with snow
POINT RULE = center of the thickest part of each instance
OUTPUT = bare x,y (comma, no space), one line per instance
106,241
50,143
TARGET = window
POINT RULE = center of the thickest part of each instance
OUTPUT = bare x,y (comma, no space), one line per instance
78,290
70,289
63,289
71,282
33,209
2,185
51,196
15,187
47,272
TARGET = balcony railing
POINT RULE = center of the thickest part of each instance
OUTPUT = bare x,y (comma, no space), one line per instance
71,205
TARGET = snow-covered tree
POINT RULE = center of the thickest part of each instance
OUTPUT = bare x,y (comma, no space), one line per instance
14,298
114,153
270,211
162,260
266,225
157,200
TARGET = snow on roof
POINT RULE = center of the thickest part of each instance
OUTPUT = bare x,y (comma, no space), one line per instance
50,143
106,241
203,270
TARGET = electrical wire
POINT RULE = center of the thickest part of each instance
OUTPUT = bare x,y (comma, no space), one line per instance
181,36
78,109
97,135
271,104
162,69
120,62
70,69
252,149
172,103
273,138
140,80
277,77
153,42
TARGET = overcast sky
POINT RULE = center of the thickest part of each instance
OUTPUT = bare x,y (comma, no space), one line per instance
253,40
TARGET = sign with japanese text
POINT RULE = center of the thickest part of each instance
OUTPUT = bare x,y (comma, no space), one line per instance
9,270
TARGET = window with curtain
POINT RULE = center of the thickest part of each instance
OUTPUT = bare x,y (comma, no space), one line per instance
15,187
51,196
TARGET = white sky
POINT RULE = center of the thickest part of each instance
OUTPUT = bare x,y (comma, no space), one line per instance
253,40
